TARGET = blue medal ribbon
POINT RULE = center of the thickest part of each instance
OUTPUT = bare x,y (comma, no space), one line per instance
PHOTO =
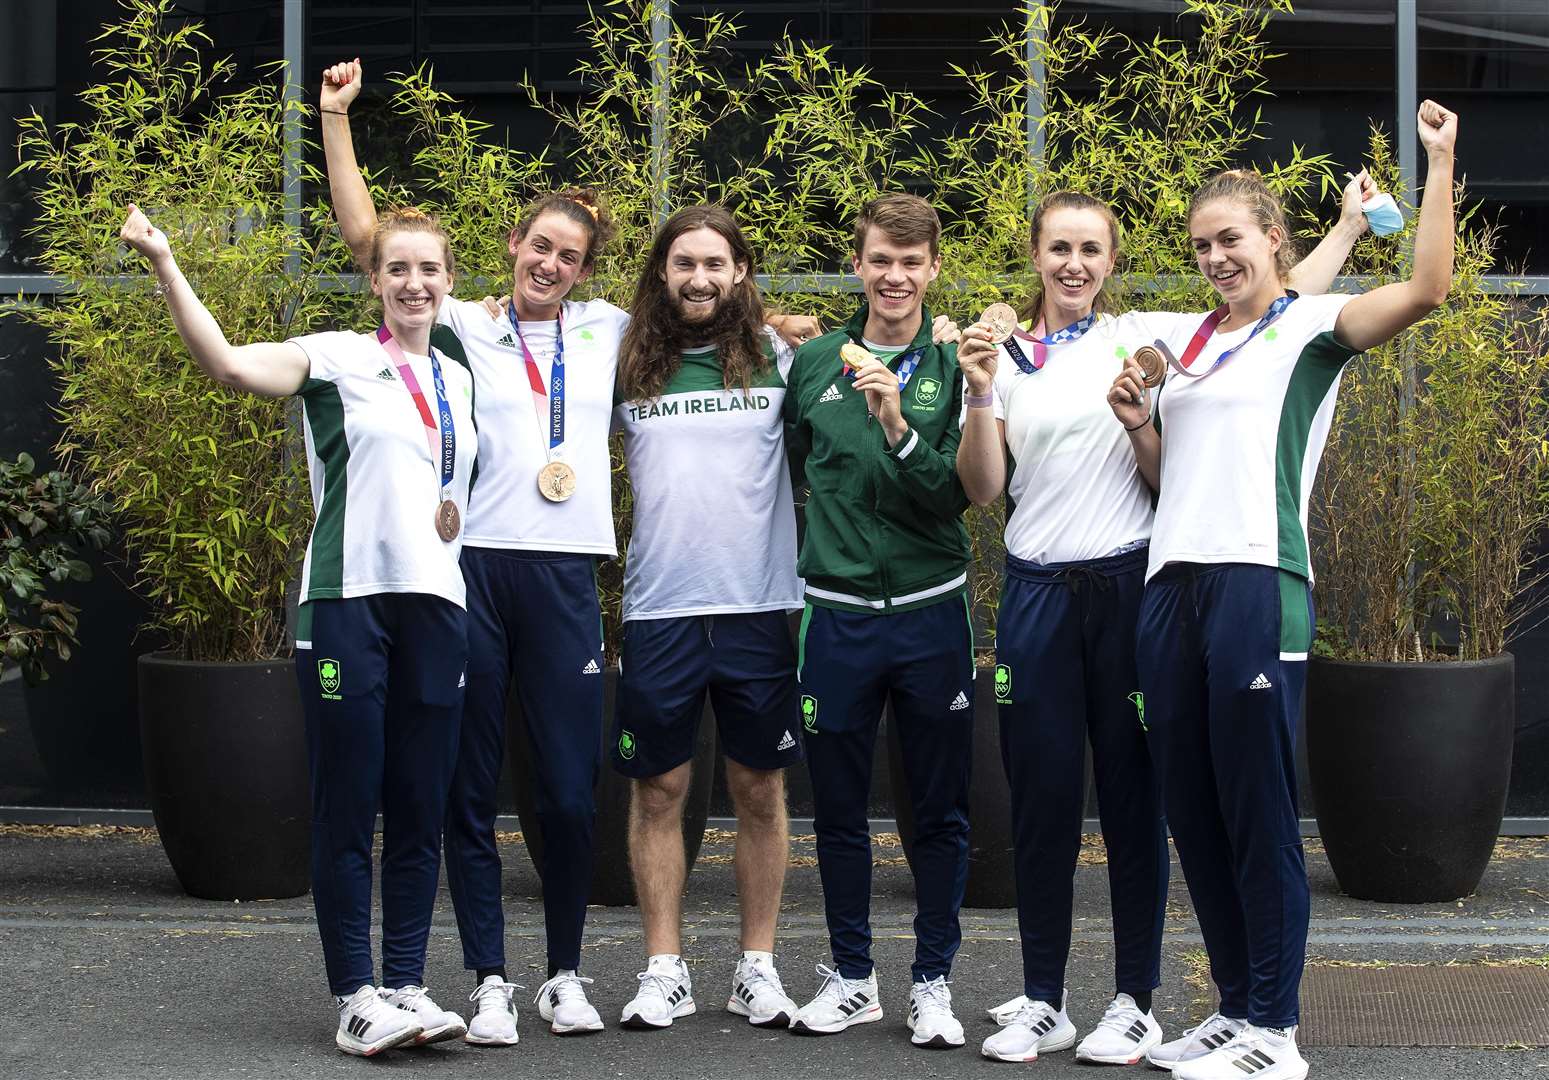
548,398
1040,344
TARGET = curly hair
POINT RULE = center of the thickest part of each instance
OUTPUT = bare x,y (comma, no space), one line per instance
652,349
584,206
1247,188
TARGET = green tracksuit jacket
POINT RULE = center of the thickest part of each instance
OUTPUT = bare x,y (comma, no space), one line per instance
884,526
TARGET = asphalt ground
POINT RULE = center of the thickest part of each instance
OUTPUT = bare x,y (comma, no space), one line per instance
111,971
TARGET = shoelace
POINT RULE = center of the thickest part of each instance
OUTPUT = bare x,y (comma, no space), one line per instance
1215,1022
756,975
662,984
933,995
834,985
1120,1018
412,995
489,990
568,987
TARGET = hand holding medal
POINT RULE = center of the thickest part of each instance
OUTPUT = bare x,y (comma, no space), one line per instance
976,352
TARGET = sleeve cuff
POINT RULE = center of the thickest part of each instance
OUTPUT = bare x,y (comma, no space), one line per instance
905,446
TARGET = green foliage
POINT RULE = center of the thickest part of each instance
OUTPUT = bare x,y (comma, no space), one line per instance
206,481
45,523
1436,477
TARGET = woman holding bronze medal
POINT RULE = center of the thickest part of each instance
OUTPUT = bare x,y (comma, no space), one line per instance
381,633
1227,619
1076,543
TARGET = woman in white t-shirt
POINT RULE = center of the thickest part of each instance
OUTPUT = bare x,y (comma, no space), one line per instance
1226,624
1076,542
382,629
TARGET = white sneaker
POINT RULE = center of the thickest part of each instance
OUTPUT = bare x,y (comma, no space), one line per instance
1255,1054
1196,1042
494,1013
1122,1036
367,1026
1037,1028
1007,1011
439,1024
930,1015
756,992
562,1002
665,994
840,1003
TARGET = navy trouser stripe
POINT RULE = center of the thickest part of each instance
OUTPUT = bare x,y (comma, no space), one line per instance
533,630
1222,707
1065,639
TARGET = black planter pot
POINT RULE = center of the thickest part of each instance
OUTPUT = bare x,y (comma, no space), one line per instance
612,883
1410,765
991,853
225,759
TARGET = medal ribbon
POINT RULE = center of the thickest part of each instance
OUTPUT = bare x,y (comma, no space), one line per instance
547,400
906,366
1041,344
440,432
1208,328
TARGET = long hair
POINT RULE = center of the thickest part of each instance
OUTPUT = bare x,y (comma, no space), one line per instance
1248,189
583,206
1066,200
653,345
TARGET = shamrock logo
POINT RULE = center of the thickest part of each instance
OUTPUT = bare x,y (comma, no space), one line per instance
328,676
626,745
1002,682
925,390
809,712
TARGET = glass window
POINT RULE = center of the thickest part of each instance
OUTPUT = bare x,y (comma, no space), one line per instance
1489,60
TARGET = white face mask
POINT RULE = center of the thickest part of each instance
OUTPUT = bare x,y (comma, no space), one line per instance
1383,214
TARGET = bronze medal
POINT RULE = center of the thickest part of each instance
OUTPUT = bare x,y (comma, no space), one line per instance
448,520
1002,321
1153,363
556,481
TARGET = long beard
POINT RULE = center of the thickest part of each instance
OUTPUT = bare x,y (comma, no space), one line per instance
728,318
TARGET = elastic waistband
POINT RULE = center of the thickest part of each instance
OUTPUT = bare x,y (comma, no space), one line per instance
1178,573
526,555
1108,566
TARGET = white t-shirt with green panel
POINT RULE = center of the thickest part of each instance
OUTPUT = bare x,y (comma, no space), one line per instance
375,483
714,521
1241,446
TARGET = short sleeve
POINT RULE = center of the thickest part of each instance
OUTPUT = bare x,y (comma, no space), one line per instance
327,355
784,354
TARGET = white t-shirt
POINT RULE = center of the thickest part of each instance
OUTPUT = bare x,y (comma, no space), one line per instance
1241,446
375,483
1075,490
714,522
508,511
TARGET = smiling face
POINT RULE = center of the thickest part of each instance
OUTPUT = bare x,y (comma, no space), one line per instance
548,262
411,279
1235,253
895,277
1074,256
700,273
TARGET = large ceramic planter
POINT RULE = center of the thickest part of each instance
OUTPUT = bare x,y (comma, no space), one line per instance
612,883
991,852
224,749
1410,764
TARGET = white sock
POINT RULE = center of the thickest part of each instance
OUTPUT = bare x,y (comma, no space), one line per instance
758,955
665,964
1278,1036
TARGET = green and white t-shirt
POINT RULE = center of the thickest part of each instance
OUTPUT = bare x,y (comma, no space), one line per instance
508,511
375,485
1075,490
1241,446
714,521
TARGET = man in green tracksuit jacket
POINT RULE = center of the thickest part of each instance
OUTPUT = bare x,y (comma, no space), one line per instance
885,558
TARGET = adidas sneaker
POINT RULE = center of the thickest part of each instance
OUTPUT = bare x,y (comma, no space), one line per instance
930,1020
1254,1054
1122,1036
439,1024
756,992
562,1002
367,1025
1195,1043
1037,1028
494,1013
1006,1011
665,994
840,1003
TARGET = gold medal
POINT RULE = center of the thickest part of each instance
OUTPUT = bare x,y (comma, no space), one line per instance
448,520
854,355
556,481
1002,321
1153,363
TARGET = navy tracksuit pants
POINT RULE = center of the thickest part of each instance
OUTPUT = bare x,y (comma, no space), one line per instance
920,661
534,627
1222,651
1065,673
381,682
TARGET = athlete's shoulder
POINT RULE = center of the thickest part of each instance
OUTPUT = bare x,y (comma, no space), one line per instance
331,353
817,354
596,312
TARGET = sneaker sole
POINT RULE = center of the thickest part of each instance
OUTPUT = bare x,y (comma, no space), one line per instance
361,1049
1017,1059
575,1029
869,1016
490,1040
781,1019
1088,1058
936,1042
638,1022
441,1034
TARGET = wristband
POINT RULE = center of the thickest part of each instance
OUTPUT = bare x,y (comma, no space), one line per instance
979,401
336,112
1140,425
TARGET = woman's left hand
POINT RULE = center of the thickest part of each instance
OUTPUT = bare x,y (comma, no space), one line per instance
1360,188
797,330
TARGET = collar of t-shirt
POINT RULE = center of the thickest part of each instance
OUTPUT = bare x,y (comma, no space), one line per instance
885,353
539,337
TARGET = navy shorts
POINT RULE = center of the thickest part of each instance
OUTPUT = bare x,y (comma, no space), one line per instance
746,663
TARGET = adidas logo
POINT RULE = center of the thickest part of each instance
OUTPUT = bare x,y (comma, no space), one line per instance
959,702
831,394
786,742
386,373
1260,683
591,668
1254,1062
508,340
